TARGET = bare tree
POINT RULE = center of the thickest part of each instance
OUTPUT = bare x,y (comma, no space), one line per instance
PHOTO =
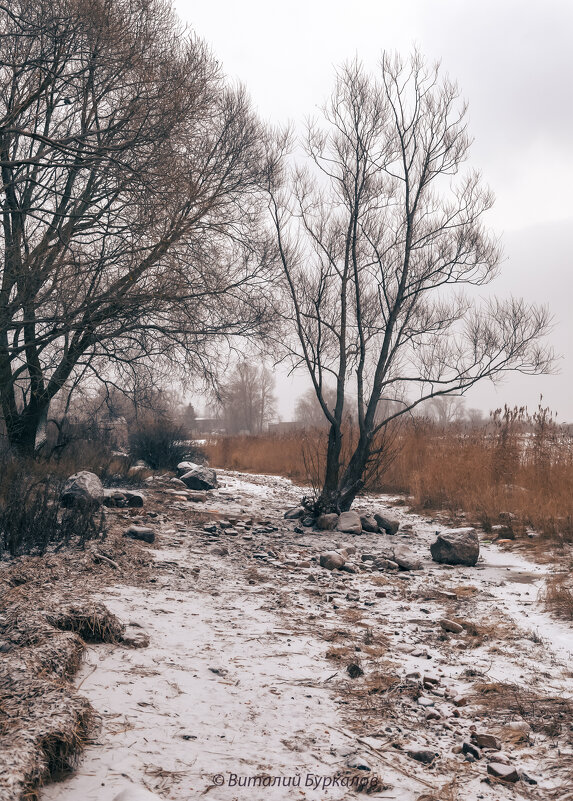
247,400
308,410
377,233
130,177
447,409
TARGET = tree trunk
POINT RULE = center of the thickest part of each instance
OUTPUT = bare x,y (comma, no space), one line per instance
328,499
26,431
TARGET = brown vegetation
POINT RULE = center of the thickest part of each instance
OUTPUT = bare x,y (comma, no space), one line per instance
558,596
514,473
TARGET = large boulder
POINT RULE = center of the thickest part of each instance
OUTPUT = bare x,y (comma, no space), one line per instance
406,560
332,560
368,523
456,546
82,489
349,523
327,522
199,477
387,524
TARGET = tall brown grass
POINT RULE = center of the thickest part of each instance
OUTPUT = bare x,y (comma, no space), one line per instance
516,470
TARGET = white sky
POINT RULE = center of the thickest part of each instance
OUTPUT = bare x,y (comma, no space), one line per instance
513,62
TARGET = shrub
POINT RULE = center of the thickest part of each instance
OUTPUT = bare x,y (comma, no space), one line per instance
161,444
31,519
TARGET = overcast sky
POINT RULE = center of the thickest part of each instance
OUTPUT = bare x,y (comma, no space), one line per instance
513,62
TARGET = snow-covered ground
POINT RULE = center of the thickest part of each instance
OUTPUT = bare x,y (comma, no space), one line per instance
236,686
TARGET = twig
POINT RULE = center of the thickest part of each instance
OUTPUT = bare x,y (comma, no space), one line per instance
99,557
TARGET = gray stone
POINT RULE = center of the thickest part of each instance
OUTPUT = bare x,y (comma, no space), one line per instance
196,497
472,750
386,564
294,514
506,773
387,524
368,523
406,560
185,467
484,740
140,533
135,500
423,755
450,625
82,489
327,522
349,523
456,546
200,478
354,671
331,560
114,498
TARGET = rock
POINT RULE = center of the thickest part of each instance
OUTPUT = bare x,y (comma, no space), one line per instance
358,762
386,564
368,523
472,750
423,700
140,533
177,482
406,560
349,523
219,550
506,773
114,498
200,478
210,528
456,546
185,467
82,489
327,522
136,794
450,625
367,557
484,740
386,524
294,513
134,637
135,500
308,521
348,568
331,560
196,497
423,755
354,671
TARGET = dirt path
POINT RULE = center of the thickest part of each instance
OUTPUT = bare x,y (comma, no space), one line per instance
246,672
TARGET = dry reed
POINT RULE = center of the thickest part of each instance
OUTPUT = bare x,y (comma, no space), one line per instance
515,472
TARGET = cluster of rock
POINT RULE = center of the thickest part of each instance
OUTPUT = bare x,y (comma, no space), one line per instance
346,522
398,558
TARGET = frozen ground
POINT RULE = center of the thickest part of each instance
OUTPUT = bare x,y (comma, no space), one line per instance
246,671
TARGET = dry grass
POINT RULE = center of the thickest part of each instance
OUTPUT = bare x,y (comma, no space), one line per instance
558,596
515,472
44,724
502,703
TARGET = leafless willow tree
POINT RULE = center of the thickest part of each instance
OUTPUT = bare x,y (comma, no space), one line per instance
378,232
129,196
